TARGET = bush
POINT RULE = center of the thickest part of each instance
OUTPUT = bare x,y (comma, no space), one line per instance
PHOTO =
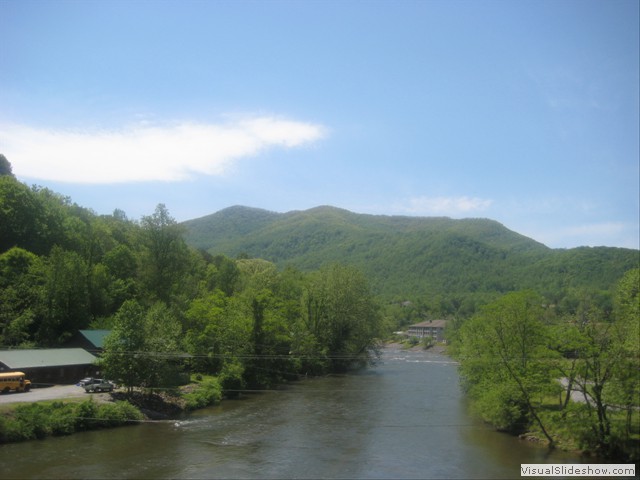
232,379
61,418
34,420
10,430
118,413
37,420
209,392
86,415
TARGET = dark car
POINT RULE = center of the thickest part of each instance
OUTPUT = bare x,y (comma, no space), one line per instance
99,385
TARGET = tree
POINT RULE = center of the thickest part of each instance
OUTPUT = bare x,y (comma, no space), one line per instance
341,316
64,299
20,216
5,167
124,359
18,295
165,252
163,346
627,373
609,367
505,362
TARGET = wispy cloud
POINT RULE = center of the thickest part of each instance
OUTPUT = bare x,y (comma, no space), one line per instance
147,153
450,206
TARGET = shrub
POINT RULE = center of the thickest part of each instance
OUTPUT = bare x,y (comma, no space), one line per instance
37,420
231,379
11,430
61,418
86,415
209,392
33,420
118,413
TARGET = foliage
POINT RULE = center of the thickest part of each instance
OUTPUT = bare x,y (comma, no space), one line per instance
569,378
449,266
208,392
143,348
340,313
117,413
39,420
505,361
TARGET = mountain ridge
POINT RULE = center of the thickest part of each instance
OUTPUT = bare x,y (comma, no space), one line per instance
469,258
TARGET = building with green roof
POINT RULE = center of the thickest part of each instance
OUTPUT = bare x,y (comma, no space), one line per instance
50,366
91,340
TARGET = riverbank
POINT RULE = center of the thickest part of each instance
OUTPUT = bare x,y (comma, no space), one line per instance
438,348
52,415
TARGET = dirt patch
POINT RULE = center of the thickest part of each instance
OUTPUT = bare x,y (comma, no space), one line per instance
155,406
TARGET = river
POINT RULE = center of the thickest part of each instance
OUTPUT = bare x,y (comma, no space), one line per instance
404,418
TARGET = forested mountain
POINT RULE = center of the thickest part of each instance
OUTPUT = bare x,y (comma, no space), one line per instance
171,308
448,265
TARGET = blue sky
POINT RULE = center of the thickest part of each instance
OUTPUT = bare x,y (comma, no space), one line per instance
526,112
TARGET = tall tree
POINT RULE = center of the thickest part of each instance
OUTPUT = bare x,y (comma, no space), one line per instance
165,252
64,299
342,316
18,295
5,166
124,359
505,361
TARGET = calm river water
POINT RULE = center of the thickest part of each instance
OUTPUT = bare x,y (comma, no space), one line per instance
404,418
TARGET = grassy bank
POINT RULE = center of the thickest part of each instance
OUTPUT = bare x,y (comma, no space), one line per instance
31,421
42,419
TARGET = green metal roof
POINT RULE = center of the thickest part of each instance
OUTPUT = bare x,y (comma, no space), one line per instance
53,357
96,337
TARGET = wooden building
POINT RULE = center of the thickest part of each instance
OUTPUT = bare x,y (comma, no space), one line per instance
50,366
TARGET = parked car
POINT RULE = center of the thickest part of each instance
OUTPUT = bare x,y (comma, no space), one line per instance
99,385
85,381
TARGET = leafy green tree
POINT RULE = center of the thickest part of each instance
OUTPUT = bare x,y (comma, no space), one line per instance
341,316
18,296
609,368
64,301
505,362
166,252
627,373
20,216
205,332
144,347
270,359
5,167
124,359
163,347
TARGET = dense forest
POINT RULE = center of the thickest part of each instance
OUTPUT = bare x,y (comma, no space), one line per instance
171,308
445,267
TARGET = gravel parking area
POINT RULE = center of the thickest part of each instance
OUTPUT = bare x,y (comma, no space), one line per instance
57,392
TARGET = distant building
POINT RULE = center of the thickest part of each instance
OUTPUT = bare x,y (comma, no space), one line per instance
430,328
50,366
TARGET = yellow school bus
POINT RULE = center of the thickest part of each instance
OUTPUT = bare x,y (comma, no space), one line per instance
14,381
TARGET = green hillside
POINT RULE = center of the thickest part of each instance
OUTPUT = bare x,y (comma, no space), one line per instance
434,259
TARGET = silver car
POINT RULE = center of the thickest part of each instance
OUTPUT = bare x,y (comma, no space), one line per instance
99,385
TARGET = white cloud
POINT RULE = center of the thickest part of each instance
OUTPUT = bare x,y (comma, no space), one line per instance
144,152
449,206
